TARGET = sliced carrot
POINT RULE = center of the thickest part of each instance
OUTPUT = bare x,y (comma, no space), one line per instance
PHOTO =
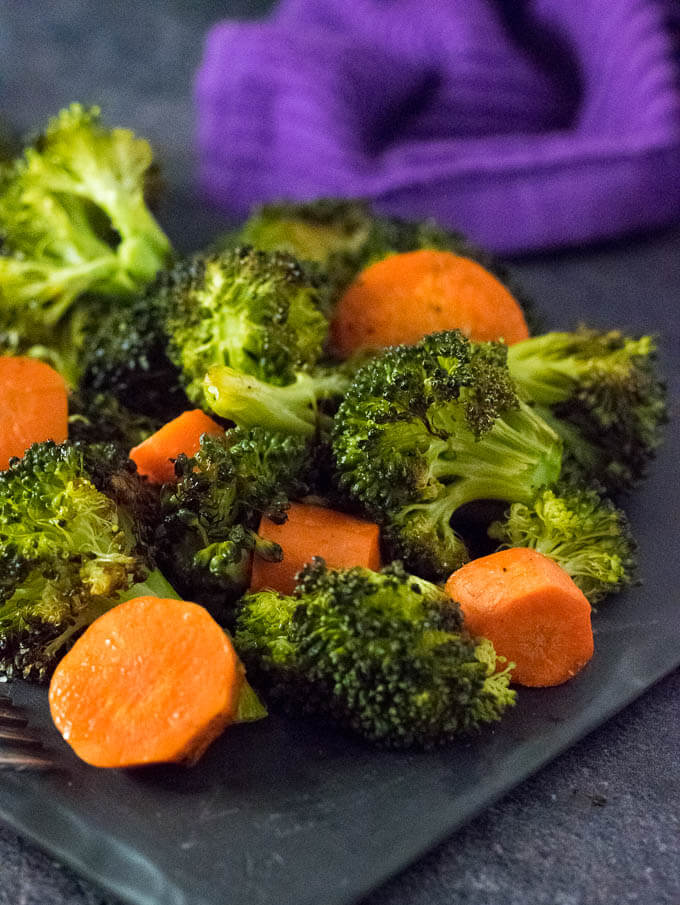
154,456
151,681
407,296
33,405
342,540
530,609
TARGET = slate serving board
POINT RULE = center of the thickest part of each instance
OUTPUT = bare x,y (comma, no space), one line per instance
284,813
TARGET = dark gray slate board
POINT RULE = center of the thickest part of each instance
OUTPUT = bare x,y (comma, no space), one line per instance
280,812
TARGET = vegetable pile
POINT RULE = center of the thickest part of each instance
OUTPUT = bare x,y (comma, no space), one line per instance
338,437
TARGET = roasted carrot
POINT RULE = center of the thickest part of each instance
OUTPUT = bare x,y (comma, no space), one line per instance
342,540
406,296
154,456
530,609
153,680
33,406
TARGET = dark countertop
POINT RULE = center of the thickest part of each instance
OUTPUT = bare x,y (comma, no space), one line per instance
598,825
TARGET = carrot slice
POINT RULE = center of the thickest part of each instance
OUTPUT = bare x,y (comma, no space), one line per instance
407,296
151,681
154,456
33,405
342,540
530,609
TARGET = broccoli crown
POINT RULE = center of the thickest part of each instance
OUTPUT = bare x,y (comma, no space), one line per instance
210,516
127,357
604,398
74,219
69,547
582,531
253,311
424,430
383,654
100,418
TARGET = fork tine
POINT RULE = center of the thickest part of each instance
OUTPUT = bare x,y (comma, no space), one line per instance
18,760
10,717
20,736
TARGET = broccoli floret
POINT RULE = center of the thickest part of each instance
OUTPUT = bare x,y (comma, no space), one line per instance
101,418
210,516
126,356
342,237
383,654
74,522
425,429
74,222
601,393
255,312
582,531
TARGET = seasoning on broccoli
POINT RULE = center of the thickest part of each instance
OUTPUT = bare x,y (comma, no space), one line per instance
75,526
424,430
210,516
581,531
383,654
601,393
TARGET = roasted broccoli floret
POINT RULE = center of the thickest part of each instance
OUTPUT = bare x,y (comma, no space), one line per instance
74,529
601,392
74,221
581,530
210,516
255,312
342,237
127,356
383,654
424,430
100,418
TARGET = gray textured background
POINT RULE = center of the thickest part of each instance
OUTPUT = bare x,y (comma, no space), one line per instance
600,824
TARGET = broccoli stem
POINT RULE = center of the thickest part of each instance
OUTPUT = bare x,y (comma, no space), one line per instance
250,402
519,455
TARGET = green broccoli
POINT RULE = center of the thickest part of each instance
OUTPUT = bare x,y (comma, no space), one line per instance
252,316
74,222
383,654
582,531
75,525
600,391
127,357
100,418
210,516
425,429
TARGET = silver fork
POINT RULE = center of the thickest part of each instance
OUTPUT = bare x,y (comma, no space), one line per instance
20,746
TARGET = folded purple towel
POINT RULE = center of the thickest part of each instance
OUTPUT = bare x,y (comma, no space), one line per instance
526,125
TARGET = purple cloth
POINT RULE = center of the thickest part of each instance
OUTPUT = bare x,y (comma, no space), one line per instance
525,124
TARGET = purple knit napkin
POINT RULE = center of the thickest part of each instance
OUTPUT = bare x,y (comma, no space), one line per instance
525,125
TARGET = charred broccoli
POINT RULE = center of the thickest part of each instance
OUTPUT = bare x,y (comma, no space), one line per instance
424,430
74,530
383,654
601,393
210,516
100,418
582,531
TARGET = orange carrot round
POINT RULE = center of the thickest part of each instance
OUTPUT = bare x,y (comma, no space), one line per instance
154,456
342,540
407,296
33,405
530,609
151,681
